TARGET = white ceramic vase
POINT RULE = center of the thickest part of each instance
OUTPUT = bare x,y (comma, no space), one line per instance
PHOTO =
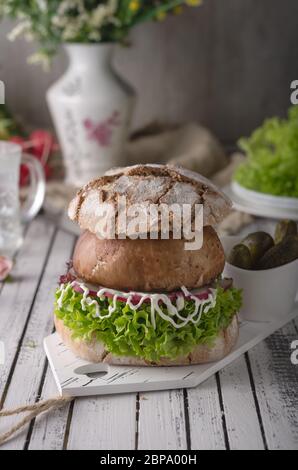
91,107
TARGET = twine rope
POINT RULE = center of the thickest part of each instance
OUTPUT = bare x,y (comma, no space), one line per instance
34,410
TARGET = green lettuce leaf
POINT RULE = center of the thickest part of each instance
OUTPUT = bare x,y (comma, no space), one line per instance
130,333
271,165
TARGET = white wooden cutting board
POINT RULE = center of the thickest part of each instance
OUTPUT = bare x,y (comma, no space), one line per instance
76,377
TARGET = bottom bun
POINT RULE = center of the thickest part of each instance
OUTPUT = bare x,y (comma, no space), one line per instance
94,350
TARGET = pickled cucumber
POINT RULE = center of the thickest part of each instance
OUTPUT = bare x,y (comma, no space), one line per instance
284,228
258,243
282,253
240,256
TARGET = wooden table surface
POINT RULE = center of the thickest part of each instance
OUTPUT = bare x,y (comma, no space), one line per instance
251,404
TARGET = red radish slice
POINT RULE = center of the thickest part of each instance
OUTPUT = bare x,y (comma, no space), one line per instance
136,297
201,293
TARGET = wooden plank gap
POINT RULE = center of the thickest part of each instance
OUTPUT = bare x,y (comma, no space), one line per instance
40,388
137,420
223,418
68,424
254,393
186,417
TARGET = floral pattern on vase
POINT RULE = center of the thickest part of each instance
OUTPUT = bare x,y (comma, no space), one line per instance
102,132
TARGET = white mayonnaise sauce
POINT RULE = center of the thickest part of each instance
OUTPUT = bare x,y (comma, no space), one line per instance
201,305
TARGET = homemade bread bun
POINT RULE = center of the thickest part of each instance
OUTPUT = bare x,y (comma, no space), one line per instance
148,265
146,184
94,351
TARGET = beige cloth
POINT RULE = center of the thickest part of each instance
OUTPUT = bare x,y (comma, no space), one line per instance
191,146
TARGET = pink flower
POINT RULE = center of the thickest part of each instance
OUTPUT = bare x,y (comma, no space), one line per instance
103,131
114,119
103,134
88,124
5,267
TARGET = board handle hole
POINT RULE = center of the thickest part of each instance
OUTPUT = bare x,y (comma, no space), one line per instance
93,371
96,375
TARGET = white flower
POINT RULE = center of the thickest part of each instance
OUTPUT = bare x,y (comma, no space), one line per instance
72,30
59,21
98,16
67,5
29,36
94,36
43,5
71,20
115,21
40,58
103,13
113,5
19,29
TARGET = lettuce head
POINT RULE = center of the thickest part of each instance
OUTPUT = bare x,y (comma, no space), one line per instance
130,333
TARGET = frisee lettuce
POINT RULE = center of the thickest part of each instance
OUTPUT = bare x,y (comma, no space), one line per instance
271,165
130,333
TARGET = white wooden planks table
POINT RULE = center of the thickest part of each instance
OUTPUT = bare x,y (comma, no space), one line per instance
251,404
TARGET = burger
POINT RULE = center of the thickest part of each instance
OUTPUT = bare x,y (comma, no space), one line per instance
147,301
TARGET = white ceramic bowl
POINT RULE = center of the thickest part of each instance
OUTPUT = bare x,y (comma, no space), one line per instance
267,294
255,197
